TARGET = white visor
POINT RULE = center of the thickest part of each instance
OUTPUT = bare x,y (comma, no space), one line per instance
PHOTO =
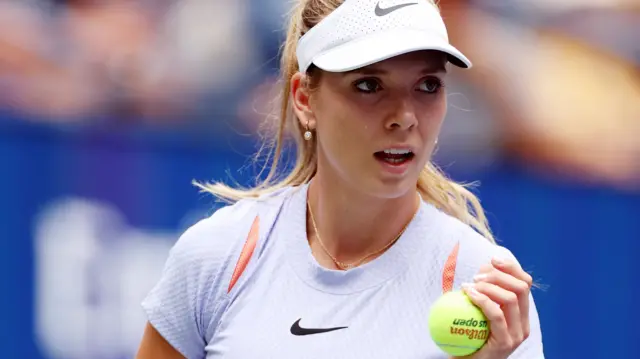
362,32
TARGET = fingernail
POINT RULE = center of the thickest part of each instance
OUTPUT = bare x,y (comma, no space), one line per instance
480,277
470,289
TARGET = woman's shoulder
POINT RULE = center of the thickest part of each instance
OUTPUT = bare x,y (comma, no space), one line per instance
212,234
472,249
198,271
223,233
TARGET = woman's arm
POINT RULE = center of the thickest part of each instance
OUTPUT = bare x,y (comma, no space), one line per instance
154,346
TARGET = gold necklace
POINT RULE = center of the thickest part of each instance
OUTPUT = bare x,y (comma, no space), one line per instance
346,266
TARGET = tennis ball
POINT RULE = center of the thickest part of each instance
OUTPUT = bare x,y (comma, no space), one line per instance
457,325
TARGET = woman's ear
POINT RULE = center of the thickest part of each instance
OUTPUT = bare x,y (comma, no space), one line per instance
300,95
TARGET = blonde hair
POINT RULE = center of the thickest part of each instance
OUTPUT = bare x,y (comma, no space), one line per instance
451,197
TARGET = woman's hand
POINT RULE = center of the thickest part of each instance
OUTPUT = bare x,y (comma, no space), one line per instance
501,291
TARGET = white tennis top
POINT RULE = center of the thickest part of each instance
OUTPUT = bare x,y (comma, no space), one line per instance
286,306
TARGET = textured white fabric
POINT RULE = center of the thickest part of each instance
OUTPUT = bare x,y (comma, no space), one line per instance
384,303
362,32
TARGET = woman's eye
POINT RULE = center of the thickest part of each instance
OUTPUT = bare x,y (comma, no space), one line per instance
367,86
431,85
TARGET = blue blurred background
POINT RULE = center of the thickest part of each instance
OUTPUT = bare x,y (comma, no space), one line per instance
109,109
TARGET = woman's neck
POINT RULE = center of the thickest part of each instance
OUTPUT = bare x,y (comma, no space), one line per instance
352,224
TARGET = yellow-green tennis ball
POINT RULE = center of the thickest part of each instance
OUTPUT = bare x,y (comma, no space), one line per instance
457,325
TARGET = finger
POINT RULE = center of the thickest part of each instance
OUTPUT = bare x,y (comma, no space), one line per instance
509,304
504,280
512,284
513,268
493,312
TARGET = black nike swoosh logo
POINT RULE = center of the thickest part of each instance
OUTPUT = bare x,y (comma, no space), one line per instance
386,11
297,330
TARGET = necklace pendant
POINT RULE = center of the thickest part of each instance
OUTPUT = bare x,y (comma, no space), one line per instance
346,266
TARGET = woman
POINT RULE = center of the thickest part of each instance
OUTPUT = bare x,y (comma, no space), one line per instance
343,257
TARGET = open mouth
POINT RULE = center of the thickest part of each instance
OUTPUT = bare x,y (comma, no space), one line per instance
394,157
